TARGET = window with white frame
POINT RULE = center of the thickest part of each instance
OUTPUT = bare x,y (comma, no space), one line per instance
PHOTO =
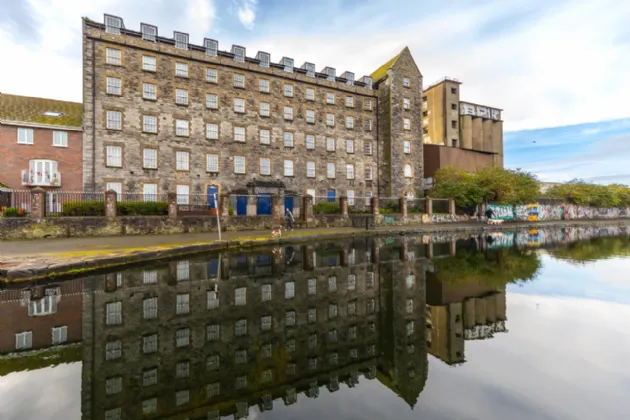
181,69
265,322
113,24
183,304
406,103
289,318
330,98
368,124
181,40
182,337
24,340
349,146
239,105
330,144
183,267
149,192
310,94
183,195
213,332
312,315
288,113
212,131
212,75
288,139
368,173
349,171
211,46
150,308
114,156
350,195
266,292
212,300
114,186
288,90
288,64
239,164
263,85
349,122
149,91
407,146
240,356
312,287
182,128
239,54
265,109
181,96
310,69
149,63
25,135
368,104
368,198
149,124
149,406
264,59
113,56
288,168
149,158
240,296
113,385
42,171
239,134
330,120
149,32
407,124
239,81
265,136
60,138
113,350
182,160
289,290
212,101
405,81
310,116
265,166
149,344
149,377
332,310
349,101
367,148
149,277
330,170
114,86
113,313
310,141
310,169
212,162
408,171
240,327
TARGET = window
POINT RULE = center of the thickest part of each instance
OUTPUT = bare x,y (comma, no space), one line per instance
211,46
182,161
149,63
332,284
239,54
454,143
241,382
289,290
289,318
183,198
330,170
265,323
410,328
182,304
266,292
113,56
330,120
114,414
310,116
288,113
239,164
310,94
150,192
181,40
408,171
330,144
113,313
288,139
60,138
350,195
181,128
265,166
114,156
264,109
368,198
349,122
330,98
312,287
406,103
114,86
150,344
263,85
368,124
368,173
454,91
240,296
149,91
239,134
113,24
310,169
150,308
240,357
212,101
406,123
349,146
212,131
182,336
182,397
149,124
310,69
113,385
212,163
212,300
410,281
114,186
239,105
332,311
288,168
181,96
149,277
212,75
367,148
149,158
113,350
181,69
288,64
25,136
288,90
213,332
349,101
213,362
240,327
264,59
454,107
409,306
453,124
310,141
407,146
149,32
368,104
183,267
265,136
310,192
350,171
239,81
149,406
406,82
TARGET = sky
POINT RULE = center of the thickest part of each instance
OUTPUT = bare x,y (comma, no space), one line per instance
557,69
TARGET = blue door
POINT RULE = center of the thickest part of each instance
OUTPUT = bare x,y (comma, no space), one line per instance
331,196
264,205
212,192
288,203
241,205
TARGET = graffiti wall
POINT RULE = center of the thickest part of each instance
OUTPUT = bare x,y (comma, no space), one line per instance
535,212
502,212
540,237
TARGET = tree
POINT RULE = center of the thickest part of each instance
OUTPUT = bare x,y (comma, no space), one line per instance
461,186
586,194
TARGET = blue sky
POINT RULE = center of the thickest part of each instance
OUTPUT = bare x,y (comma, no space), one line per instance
546,64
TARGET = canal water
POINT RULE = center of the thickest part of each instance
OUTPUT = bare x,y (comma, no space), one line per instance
523,325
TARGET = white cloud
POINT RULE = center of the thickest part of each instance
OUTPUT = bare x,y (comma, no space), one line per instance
247,13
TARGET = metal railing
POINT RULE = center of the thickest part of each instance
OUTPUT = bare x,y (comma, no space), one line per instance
389,205
440,205
417,205
140,204
74,203
326,205
197,205
17,200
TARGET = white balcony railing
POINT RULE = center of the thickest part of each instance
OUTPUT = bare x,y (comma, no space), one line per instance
43,179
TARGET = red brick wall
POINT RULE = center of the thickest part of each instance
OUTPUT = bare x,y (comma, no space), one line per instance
15,157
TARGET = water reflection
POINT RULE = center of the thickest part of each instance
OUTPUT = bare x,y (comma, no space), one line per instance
241,333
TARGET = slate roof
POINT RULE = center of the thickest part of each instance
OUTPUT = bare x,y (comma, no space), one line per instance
31,110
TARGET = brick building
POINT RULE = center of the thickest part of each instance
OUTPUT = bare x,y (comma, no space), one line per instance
40,143
165,115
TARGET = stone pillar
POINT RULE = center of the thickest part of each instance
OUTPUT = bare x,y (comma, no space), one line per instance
451,206
277,207
307,209
429,250
111,199
344,257
252,205
225,267
375,206
224,205
343,206
172,204
403,206
38,203
429,205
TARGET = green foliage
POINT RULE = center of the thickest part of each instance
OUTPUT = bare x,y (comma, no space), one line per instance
325,207
389,206
593,249
594,195
142,208
230,210
13,212
84,208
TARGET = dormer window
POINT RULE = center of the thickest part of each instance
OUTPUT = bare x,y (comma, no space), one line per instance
349,76
368,82
264,59
181,40
149,32
331,74
113,24
310,69
288,64
211,46
239,53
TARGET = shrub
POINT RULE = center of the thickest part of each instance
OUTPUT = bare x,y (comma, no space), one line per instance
326,207
13,212
142,208
84,208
